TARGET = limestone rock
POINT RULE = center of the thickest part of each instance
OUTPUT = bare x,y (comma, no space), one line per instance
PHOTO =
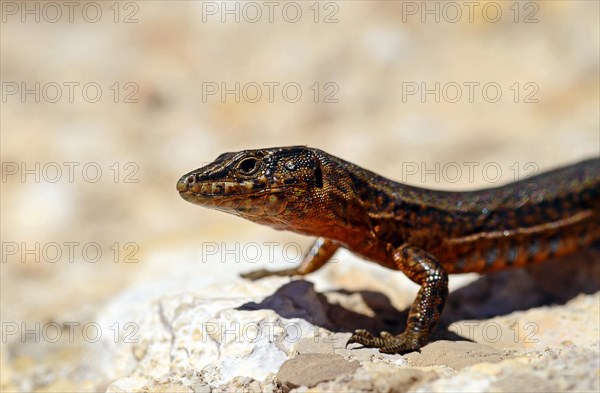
455,355
311,369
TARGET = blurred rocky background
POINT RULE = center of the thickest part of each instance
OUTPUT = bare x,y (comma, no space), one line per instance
106,104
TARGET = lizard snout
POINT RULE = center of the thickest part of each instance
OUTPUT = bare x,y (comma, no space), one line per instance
185,183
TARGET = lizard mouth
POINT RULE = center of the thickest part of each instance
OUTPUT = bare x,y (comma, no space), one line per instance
213,188
189,190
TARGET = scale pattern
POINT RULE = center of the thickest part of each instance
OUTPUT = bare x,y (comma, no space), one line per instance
424,233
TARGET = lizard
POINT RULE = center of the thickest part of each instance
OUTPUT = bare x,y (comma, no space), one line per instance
427,234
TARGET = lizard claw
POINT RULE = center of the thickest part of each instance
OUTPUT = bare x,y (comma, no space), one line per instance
362,333
363,337
262,273
386,342
255,274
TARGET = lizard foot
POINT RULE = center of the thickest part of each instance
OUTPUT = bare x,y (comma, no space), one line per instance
262,273
386,342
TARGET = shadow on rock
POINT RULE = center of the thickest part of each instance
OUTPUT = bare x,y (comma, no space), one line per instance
298,299
553,282
495,294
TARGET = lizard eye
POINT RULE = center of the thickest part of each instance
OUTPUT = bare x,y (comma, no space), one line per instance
248,166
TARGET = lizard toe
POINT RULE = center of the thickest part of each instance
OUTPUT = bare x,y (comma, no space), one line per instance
398,345
364,338
255,275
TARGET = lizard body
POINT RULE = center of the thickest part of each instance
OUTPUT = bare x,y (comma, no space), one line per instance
424,233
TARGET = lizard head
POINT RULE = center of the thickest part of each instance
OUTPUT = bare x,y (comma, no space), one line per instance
273,186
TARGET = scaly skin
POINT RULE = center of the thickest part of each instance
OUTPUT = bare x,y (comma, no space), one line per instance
424,233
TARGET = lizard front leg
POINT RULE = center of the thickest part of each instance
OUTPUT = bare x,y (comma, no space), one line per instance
425,270
321,252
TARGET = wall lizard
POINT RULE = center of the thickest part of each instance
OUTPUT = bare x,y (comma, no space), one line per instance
426,234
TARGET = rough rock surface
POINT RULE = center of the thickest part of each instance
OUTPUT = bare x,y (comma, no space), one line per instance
309,369
456,355
506,331
279,334
173,313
